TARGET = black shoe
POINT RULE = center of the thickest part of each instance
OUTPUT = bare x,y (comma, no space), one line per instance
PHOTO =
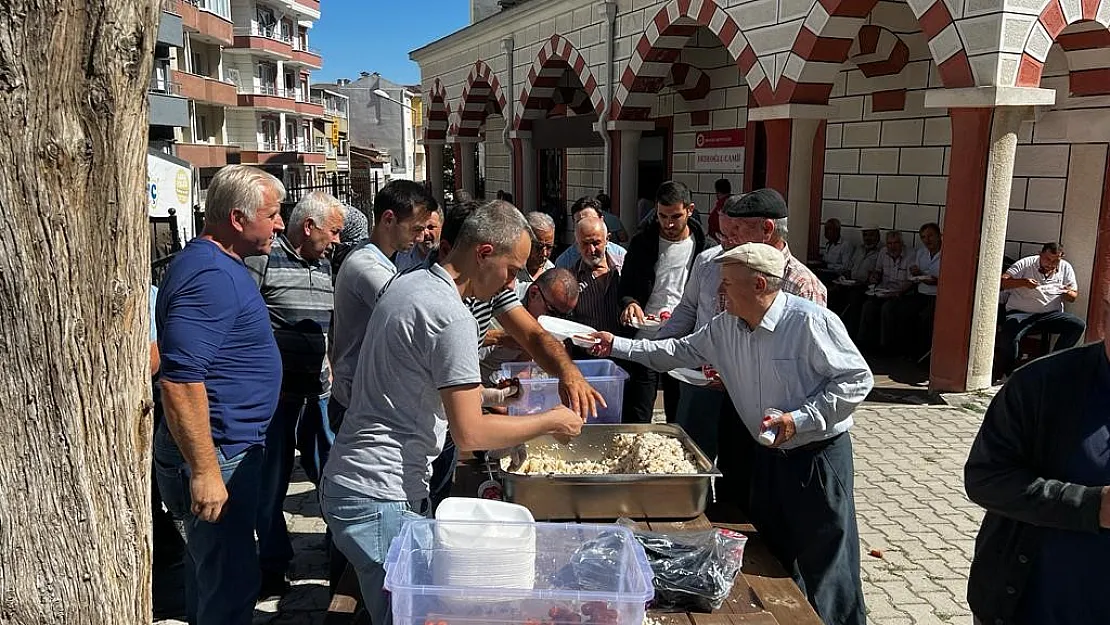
274,586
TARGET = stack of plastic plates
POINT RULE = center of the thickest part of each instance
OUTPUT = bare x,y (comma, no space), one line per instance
481,543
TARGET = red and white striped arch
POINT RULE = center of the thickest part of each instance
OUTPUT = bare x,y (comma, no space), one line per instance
879,52
1086,45
482,88
439,114
658,50
690,82
543,92
827,38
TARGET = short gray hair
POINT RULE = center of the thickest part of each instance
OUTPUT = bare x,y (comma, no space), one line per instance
238,186
894,234
540,221
497,223
782,228
316,206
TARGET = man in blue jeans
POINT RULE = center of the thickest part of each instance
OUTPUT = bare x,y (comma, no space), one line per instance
418,371
295,282
221,373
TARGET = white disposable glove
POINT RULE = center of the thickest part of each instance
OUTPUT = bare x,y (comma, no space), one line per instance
518,454
498,396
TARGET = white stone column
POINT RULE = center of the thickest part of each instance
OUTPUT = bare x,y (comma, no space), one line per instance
434,152
528,199
468,166
625,145
792,174
975,227
629,176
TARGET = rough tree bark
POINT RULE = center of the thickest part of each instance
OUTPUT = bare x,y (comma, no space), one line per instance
74,268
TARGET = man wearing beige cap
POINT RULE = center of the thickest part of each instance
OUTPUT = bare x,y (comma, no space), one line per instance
792,372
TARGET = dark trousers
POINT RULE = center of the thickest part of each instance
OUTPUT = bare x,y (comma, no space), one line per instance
735,450
1067,326
641,390
803,505
880,324
918,311
299,424
337,562
169,545
698,412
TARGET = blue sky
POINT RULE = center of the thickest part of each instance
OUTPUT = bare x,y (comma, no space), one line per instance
377,35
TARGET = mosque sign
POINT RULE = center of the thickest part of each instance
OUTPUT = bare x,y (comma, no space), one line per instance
719,150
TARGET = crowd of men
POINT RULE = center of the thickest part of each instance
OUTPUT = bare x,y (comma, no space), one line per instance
379,364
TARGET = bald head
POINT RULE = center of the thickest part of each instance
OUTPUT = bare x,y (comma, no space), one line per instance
591,236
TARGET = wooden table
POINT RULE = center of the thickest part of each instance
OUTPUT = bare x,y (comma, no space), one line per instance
763,594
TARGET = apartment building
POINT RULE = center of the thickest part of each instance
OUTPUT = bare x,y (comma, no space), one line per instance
386,118
245,68
331,133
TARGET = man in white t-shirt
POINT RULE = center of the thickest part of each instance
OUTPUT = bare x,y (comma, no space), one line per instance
1038,288
921,306
655,273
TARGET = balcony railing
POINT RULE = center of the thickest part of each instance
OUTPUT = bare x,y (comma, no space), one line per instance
334,112
254,30
280,146
303,47
162,85
271,90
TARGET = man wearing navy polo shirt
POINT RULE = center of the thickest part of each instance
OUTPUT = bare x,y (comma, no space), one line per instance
221,374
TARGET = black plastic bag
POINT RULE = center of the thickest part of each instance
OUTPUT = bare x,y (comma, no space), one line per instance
694,571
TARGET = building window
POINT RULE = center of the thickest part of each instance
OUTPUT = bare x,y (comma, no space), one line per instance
202,129
270,134
219,7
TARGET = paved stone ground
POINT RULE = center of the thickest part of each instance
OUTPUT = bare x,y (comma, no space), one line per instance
909,493
912,508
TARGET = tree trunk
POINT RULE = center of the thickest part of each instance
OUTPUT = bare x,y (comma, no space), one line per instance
75,542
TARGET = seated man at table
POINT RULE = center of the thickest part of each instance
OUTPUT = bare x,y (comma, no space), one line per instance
1038,288
891,280
836,254
418,372
920,306
846,298
802,500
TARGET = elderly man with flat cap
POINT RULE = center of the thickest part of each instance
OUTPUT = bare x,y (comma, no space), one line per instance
795,378
762,216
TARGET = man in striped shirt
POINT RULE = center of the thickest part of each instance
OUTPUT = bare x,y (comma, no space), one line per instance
295,282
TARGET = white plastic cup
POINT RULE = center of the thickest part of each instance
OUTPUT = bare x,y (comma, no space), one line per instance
769,434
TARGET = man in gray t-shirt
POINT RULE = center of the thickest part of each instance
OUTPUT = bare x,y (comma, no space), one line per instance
418,372
400,210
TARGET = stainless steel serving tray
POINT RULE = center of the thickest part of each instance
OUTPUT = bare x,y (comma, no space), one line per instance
565,497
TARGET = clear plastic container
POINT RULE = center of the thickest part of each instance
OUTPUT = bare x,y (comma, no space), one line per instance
581,575
539,391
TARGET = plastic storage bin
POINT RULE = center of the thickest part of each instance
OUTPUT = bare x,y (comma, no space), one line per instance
540,391
583,574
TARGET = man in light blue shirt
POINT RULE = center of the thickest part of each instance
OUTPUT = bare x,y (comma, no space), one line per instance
778,354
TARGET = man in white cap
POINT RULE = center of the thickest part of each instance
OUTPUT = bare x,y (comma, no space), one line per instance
792,372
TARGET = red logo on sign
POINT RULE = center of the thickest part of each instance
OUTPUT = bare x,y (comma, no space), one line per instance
720,138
